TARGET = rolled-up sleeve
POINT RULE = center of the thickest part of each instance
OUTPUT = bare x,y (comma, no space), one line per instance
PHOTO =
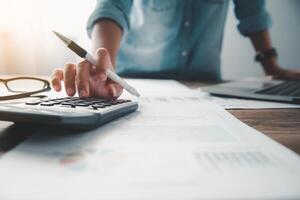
252,16
116,10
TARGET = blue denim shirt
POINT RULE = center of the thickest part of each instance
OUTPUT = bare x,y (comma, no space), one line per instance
179,39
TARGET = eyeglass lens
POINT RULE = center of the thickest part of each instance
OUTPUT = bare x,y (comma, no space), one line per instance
25,85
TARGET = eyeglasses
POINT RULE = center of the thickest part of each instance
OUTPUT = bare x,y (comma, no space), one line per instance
24,87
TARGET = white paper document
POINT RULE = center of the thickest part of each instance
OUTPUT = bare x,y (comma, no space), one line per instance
176,146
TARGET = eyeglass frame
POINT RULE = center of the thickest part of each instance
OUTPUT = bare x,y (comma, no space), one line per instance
23,94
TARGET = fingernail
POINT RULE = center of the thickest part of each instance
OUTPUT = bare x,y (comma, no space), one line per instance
70,91
113,92
82,93
102,76
56,87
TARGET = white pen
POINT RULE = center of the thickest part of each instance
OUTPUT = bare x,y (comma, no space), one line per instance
84,54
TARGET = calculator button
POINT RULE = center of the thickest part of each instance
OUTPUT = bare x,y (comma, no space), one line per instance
33,102
95,106
82,104
67,103
47,104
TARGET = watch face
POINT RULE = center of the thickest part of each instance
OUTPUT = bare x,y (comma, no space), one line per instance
262,55
259,57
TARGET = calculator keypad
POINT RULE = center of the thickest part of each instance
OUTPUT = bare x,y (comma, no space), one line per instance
73,102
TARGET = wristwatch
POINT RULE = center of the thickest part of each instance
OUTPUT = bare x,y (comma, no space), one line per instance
266,54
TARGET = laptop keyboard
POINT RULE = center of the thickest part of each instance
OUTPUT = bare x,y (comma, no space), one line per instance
73,102
288,88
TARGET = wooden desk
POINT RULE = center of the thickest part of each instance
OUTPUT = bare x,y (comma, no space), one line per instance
282,125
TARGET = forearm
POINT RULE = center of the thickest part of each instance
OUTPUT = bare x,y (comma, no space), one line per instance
261,41
107,34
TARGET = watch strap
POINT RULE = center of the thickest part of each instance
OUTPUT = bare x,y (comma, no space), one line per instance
266,54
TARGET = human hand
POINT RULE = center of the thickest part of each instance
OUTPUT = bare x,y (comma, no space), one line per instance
286,74
87,79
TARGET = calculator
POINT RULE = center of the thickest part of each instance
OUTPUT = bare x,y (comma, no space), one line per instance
75,112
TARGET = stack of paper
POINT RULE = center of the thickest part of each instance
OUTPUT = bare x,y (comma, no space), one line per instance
176,146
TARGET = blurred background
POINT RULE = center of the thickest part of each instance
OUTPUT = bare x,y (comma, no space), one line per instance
28,46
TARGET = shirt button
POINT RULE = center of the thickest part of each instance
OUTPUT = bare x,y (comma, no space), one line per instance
186,23
184,53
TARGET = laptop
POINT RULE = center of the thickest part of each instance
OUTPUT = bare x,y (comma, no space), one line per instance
74,112
268,90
